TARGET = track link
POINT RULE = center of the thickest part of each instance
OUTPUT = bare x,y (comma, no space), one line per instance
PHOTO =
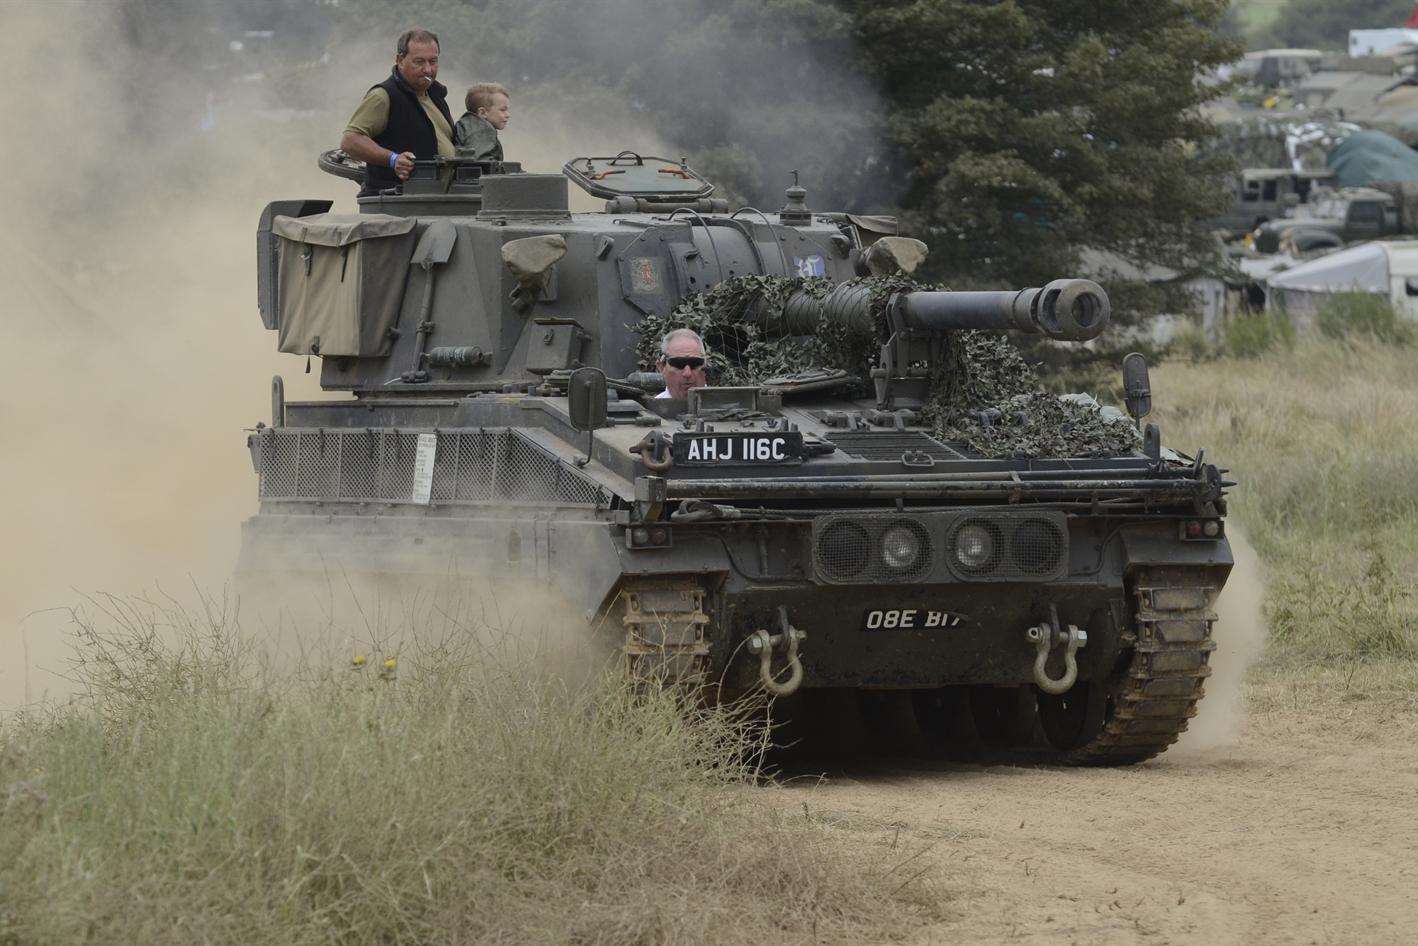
1148,708
665,630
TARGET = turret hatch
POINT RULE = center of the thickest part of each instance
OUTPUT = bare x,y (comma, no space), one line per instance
632,175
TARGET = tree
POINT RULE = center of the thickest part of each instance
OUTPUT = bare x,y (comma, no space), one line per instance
1032,128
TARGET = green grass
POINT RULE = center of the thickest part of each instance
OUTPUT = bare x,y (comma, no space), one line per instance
192,793
1323,439
1362,315
1256,335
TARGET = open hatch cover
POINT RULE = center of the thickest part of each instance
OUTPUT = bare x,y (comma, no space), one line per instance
633,175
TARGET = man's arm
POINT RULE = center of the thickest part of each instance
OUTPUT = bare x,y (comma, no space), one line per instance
370,119
364,148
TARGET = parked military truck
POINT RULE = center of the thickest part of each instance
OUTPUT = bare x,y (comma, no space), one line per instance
804,535
1262,194
1332,219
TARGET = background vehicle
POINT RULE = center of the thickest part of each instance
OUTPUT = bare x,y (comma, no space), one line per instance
1262,194
1350,214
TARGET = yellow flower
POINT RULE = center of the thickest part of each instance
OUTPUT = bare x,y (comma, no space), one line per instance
390,664
359,660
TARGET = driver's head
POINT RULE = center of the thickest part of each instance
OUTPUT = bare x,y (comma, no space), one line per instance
682,357
416,58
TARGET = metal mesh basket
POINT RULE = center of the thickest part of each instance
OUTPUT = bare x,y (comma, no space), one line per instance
495,465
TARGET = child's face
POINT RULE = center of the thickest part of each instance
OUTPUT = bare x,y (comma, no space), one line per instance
499,112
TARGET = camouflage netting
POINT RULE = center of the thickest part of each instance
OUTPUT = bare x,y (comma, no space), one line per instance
740,352
984,394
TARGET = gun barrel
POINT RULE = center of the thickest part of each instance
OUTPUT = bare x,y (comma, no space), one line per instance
1066,309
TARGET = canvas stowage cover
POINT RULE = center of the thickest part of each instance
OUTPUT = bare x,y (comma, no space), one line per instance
342,281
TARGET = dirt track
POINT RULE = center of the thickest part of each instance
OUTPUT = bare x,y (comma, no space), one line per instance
1304,830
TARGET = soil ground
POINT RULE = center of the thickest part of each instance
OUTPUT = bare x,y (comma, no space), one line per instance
1302,830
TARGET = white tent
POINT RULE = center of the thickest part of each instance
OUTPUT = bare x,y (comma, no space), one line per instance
1383,268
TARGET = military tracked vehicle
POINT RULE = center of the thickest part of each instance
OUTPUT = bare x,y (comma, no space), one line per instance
806,534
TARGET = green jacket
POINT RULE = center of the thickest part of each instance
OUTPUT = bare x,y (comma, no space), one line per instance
476,138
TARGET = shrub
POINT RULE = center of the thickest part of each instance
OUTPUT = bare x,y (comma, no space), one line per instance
1192,344
1321,612
1363,314
1250,336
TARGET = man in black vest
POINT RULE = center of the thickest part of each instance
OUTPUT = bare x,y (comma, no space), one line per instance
402,118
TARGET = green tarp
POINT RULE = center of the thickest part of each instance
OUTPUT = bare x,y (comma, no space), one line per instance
1367,157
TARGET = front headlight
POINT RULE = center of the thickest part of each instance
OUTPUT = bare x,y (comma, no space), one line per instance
901,548
975,547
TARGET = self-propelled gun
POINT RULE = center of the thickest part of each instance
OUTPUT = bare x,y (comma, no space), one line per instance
804,533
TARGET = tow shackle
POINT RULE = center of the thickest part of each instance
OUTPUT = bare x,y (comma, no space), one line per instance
1045,637
763,644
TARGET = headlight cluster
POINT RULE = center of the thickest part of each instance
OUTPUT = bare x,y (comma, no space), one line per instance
977,547
985,546
844,549
1008,547
905,548
872,550
1193,529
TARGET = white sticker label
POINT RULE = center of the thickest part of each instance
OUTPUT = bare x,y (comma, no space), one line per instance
423,468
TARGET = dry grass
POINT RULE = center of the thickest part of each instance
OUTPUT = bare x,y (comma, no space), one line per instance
193,794
1323,439
482,791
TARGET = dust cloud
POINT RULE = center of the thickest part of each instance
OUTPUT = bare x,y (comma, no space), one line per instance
1240,639
135,360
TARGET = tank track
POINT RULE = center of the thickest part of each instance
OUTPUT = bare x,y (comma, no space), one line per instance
665,630
1171,644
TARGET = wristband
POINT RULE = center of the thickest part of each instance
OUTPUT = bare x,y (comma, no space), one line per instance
393,158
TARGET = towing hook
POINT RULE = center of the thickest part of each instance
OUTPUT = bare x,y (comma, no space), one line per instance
763,644
1045,637
654,451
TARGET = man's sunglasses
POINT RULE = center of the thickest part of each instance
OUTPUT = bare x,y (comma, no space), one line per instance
695,363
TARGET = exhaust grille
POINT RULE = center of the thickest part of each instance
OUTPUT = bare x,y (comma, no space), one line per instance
470,466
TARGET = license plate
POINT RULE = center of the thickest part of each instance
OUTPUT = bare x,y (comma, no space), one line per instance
909,619
738,449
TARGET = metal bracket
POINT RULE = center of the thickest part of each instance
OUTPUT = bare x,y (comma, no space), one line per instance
654,451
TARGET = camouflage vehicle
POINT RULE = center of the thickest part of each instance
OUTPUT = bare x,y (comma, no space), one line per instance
811,535
1333,218
1262,194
